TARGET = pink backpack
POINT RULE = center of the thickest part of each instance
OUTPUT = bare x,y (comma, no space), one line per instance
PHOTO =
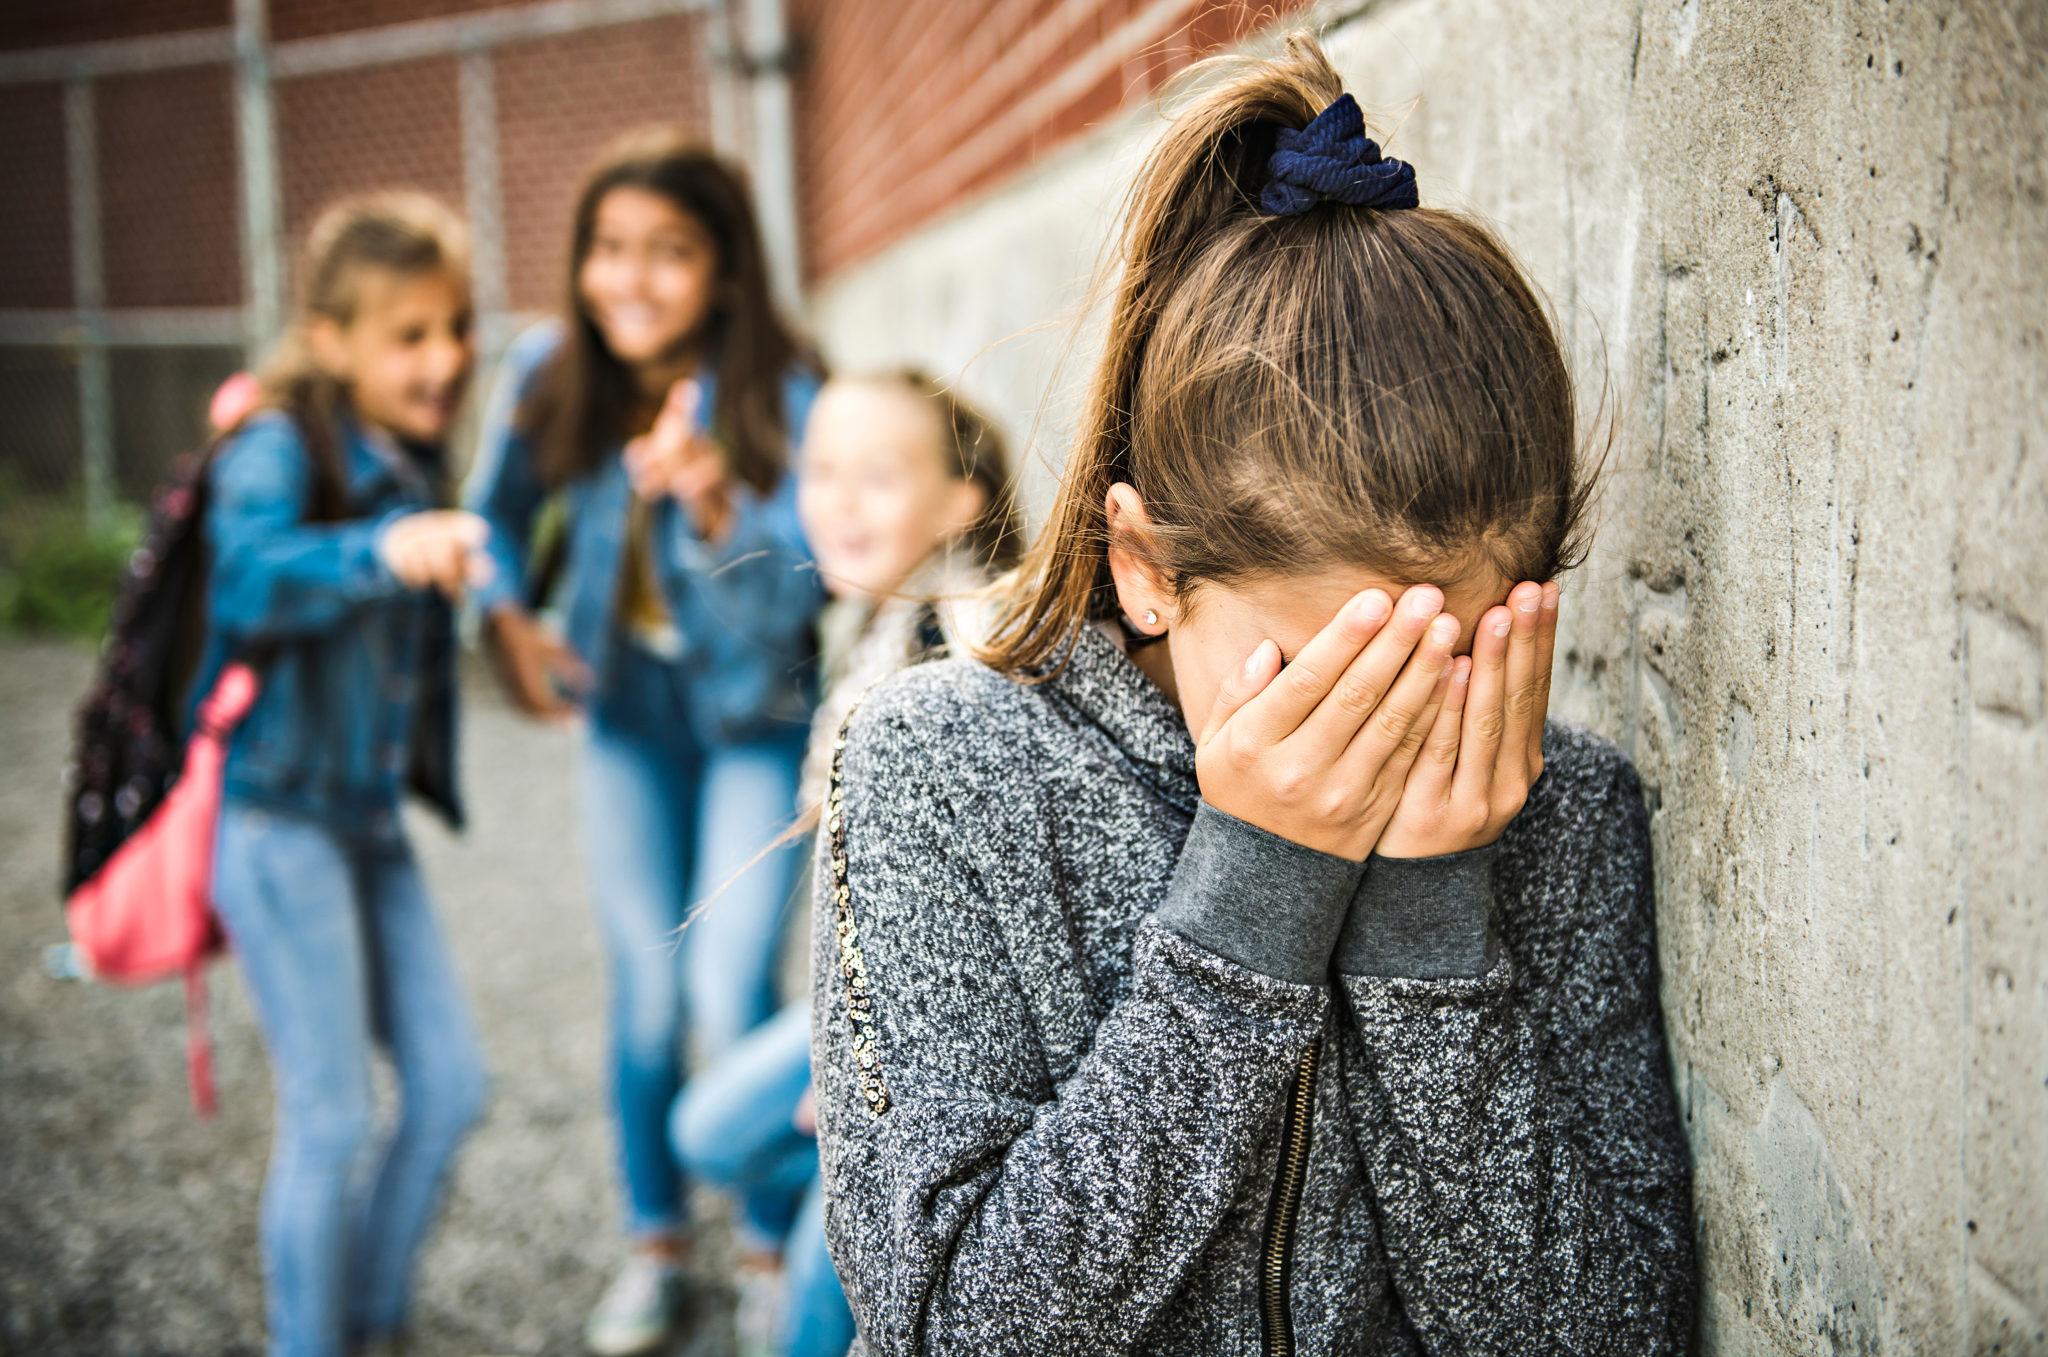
147,913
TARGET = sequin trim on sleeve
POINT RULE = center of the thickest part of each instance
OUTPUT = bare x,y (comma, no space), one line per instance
860,1009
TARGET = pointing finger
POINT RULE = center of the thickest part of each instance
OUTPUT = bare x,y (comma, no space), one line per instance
470,529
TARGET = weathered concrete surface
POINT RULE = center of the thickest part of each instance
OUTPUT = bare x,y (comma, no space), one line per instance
1808,245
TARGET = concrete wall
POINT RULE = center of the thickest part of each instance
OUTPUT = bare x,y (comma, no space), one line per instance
1810,244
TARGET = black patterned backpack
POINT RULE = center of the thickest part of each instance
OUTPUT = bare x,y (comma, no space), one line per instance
130,733
130,729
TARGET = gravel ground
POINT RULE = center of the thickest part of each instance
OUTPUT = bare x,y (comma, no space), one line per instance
128,1226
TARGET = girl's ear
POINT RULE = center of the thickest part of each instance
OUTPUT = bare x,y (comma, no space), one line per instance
1139,588
325,346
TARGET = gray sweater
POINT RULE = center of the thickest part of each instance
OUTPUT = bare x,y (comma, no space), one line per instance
1099,1071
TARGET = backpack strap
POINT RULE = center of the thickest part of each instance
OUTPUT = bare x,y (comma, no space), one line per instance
199,1043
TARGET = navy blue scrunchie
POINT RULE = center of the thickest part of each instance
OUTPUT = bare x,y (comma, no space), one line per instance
1332,158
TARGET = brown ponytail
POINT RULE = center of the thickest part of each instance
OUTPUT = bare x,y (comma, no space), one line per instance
1357,387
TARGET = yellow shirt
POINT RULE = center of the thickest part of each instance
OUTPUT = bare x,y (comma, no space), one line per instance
642,611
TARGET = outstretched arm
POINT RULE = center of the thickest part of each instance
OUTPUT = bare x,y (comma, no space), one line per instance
275,575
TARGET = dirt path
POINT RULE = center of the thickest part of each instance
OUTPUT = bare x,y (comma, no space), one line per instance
127,1226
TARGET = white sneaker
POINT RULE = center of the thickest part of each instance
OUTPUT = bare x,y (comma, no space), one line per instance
757,1312
639,1309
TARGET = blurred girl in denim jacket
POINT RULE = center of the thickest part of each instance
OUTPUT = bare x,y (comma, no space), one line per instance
664,408
332,571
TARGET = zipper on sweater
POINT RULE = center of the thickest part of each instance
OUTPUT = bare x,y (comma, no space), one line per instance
1280,1219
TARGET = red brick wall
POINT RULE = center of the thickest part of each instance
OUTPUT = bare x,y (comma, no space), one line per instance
46,23
559,101
170,215
317,18
905,107
35,214
168,180
378,127
169,191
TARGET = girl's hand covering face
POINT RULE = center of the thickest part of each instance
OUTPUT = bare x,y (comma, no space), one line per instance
1318,751
1484,750
674,458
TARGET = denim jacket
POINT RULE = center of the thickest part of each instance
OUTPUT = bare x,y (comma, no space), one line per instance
742,607
358,671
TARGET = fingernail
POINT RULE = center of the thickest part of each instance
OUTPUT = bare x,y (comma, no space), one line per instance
1528,602
1251,662
1444,630
1373,606
1550,592
1503,625
1426,602
1461,673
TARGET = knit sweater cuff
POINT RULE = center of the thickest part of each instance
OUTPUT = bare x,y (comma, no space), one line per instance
1254,898
1421,918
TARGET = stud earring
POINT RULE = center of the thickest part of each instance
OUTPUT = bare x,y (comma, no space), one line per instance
1135,637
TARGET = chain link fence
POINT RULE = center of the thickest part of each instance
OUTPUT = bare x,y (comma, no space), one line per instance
159,177
39,458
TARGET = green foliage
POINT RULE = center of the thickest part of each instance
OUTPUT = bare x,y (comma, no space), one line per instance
61,574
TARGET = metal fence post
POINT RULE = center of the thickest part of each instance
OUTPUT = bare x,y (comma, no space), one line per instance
256,139
89,298
483,195
774,147
725,104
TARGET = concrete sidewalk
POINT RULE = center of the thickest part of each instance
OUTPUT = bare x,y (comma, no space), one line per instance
127,1226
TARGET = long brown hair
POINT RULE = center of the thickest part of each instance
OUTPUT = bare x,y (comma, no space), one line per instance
394,231
1377,389
581,407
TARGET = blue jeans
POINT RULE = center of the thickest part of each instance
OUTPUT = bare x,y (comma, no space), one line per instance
341,951
677,833
735,1128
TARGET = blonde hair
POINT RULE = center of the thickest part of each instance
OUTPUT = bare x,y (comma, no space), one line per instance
1361,387
974,450
393,231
